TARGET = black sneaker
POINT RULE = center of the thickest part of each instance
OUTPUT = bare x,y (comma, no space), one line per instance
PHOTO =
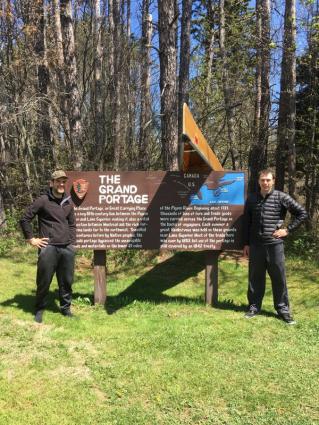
252,312
287,318
38,316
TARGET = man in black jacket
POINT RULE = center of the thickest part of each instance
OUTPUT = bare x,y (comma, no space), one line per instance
264,233
55,243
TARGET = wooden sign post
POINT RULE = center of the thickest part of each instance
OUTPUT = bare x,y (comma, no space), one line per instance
99,264
196,155
211,277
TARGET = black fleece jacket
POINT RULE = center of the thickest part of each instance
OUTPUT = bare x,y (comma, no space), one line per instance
56,219
262,216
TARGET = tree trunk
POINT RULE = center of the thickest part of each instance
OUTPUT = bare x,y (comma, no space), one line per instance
257,84
128,19
45,143
227,88
286,153
128,95
184,61
312,169
146,111
168,69
60,76
258,154
26,156
115,47
98,101
208,90
3,157
2,213
71,85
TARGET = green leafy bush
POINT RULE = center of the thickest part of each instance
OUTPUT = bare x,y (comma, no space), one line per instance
304,244
120,259
129,257
10,235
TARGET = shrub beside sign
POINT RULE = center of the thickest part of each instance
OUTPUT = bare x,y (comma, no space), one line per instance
158,209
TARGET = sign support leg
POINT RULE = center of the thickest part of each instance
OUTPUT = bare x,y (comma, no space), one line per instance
211,277
99,261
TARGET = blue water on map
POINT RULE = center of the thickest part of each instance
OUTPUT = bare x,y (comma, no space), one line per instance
230,190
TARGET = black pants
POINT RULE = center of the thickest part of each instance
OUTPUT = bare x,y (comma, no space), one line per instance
60,260
270,258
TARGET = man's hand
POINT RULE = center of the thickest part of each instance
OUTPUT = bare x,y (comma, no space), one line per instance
246,251
280,233
38,242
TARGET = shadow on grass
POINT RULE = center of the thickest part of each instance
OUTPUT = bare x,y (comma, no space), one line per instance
26,302
234,281
230,305
151,285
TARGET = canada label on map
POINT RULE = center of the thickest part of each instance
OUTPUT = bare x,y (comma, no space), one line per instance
228,189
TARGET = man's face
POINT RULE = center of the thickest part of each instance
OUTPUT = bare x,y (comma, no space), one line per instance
58,186
266,182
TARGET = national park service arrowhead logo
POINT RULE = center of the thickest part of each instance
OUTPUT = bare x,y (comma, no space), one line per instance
80,187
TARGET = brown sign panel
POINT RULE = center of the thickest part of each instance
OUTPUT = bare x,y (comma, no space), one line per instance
152,210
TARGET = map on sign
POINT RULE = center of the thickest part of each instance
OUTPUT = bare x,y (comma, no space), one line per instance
228,189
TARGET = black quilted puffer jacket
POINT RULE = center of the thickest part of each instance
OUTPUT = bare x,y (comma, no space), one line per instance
262,216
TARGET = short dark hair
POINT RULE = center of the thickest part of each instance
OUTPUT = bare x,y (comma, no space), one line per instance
267,171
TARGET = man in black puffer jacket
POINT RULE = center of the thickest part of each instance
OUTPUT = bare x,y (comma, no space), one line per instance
55,243
264,216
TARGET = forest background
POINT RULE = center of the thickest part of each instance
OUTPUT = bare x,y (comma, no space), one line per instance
99,85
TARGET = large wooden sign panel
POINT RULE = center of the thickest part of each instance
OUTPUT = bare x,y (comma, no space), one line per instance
152,210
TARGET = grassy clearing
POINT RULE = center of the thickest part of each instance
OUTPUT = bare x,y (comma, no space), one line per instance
157,354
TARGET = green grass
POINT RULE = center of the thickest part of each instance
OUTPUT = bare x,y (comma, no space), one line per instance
156,354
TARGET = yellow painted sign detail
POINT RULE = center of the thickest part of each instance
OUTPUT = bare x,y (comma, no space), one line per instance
197,143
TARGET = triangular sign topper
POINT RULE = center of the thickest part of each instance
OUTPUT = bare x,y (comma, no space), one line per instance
80,187
195,152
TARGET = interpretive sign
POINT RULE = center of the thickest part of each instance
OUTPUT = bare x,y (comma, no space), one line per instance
152,210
